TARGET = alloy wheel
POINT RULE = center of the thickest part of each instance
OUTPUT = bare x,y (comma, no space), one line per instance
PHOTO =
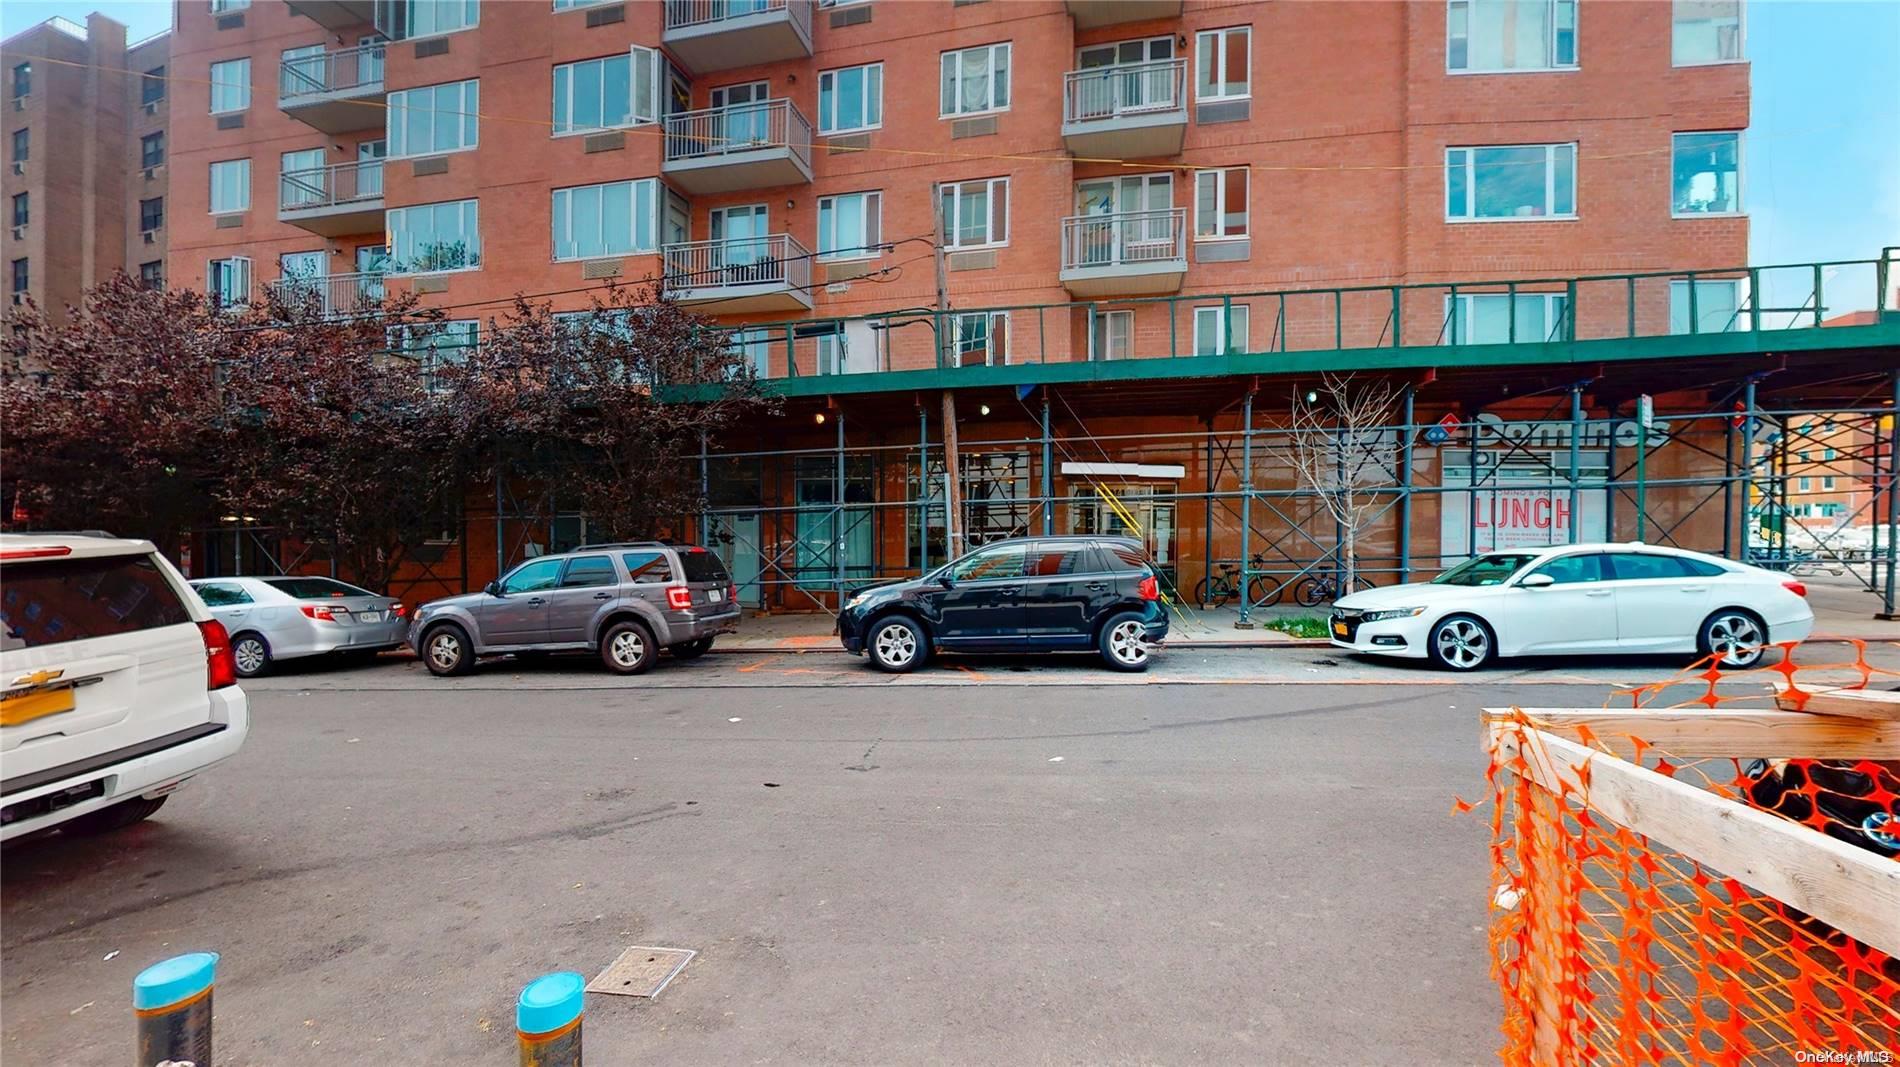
445,650
896,645
1463,643
628,647
1125,644
1736,638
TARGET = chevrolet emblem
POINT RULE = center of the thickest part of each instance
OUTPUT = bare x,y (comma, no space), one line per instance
38,678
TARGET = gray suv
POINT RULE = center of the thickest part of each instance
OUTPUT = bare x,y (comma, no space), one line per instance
625,601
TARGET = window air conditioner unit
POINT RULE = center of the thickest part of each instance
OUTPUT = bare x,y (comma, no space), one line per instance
19,103
19,233
151,173
151,107
149,236
19,166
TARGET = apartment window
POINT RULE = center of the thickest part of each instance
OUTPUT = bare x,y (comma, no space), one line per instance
1706,31
1827,481
22,210
569,5
400,20
434,237
614,219
20,279
1111,334
1220,329
1221,62
1499,36
1706,173
975,213
152,149
230,86
1804,484
20,138
22,80
225,7
974,80
228,281
1827,454
435,346
982,338
1720,306
152,86
851,99
152,214
433,119
1220,204
1511,182
849,225
1498,318
604,94
152,274
230,186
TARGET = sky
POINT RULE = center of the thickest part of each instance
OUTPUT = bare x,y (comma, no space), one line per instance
1821,160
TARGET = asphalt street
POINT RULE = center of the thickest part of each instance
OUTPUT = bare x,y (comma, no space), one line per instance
1228,859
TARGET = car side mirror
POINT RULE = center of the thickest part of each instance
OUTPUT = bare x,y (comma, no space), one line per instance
493,588
946,581
1537,581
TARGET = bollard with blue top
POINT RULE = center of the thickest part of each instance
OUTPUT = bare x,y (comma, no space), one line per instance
172,1001
548,1020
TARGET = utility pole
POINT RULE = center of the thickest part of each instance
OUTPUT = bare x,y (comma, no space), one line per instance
953,482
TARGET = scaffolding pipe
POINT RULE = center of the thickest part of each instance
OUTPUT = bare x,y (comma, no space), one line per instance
837,516
1728,489
501,564
1207,510
1893,492
1576,442
1471,481
923,489
1405,479
1048,480
1245,622
1748,467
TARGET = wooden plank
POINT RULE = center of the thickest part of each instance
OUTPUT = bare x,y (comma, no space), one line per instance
1704,733
1838,700
1849,888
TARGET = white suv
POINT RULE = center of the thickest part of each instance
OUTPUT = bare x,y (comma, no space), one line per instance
118,683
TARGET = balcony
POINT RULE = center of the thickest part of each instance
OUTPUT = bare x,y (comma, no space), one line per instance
1127,111
329,295
1089,14
745,146
336,92
334,201
770,273
335,14
709,35
1131,253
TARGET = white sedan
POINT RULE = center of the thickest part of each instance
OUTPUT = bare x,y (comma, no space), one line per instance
1578,599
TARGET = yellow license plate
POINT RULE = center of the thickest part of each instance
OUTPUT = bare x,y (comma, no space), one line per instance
1339,628
30,706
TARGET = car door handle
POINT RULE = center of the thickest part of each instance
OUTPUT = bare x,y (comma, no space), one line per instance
1097,586
1695,589
1597,592
603,596
535,602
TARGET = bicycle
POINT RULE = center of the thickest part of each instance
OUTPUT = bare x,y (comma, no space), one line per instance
1317,589
1217,589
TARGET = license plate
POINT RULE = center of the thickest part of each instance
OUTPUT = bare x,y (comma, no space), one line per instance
716,595
29,706
1339,628
369,616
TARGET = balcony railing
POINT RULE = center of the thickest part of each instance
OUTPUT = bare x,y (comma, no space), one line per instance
688,14
1126,89
337,185
330,294
349,70
774,259
725,131
709,35
1125,238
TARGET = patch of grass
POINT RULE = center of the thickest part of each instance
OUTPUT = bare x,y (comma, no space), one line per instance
1298,626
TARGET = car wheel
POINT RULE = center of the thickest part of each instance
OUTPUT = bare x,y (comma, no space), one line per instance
251,653
693,649
1737,637
628,648
1461,643
1123,642
446,651
897,645
117,817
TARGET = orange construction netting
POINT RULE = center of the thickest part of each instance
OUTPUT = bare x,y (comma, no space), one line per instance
1610,948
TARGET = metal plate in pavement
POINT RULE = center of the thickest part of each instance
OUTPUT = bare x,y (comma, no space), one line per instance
641,971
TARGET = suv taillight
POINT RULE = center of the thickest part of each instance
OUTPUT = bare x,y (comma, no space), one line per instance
220,667
678,597
1149,589
732,593
1795,587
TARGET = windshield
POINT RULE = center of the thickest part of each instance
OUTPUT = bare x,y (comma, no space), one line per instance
1485,570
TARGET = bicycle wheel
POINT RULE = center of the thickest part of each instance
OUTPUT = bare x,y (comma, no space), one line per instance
1202,591
1361,583
1263,590
1312,592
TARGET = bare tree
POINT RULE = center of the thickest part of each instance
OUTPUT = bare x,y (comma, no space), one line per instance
1343,449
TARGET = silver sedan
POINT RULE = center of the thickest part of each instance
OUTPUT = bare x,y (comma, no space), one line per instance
290,616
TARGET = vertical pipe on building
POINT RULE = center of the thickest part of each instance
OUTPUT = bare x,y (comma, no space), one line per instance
1576,444
838,515
1893,490
1207,503
1728,488
1246,510
1405,481
1642,474
1609,474
1048,478
1781,490
923,489
1747,460
1471,492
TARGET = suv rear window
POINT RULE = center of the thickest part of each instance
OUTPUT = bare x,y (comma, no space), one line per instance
701,565
1122,557
50,602
315,588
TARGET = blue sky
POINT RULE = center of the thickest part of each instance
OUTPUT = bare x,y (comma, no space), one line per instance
1822,171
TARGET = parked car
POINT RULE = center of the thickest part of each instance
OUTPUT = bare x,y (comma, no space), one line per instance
1026,594
293,616
119,685
1858,801
622,601
1579,599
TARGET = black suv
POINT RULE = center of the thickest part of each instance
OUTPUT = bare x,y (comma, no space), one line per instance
1026,594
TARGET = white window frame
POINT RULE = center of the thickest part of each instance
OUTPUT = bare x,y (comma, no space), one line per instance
832,76
1576,41
398,114
642,67
1220,204
997,324
1741,176
1219,36
873,208
409,21
1550,184
244,186
1743,314
226,7
242,85
993,108
243,264
576,5
399,267
1554,311
950,222
561,213
1241,315
1100,321
1741,38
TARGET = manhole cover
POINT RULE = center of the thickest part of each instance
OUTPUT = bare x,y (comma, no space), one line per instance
641,971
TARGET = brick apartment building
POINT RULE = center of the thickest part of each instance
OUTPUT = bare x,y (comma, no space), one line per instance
84,185
1109,174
